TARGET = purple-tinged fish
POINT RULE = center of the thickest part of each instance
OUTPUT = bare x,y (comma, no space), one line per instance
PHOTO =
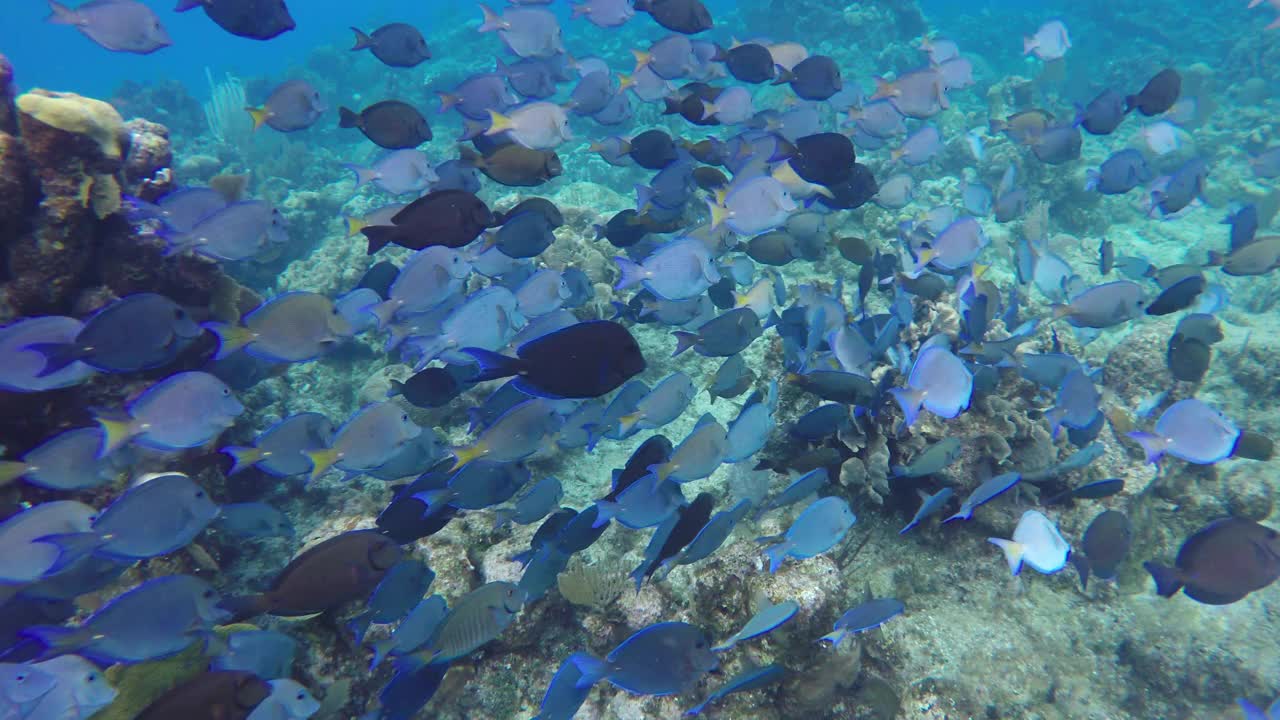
117,25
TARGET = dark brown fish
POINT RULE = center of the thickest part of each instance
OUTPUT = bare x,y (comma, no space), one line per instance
1188,358
515,165
451,218
1222,563
709,178
211,695
855,250
825,158
391,124
1159,94
692,518
396,45
1178,296
342,569
689,17
1104,546
254,19
1254,446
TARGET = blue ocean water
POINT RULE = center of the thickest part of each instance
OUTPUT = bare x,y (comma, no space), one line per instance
959,326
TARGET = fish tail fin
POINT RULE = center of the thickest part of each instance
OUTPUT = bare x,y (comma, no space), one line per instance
397,388
642,59
116,431
1092,179
185,5
384,311
470,157
379,236
784,76
493,365
493,22
71,547
359,625
231,338
243,607
448,100
354,225
522,557
884,89
463,456
1081,564
1168,580
592,669
606,510
1055,416
380,651
11,470
897,471
834,637
502,516
242,457
321,461
348,118
56,356
1153,445
363,41
910,401
684,341
57,639
499,123
1013,553
631,273
776,554
627,422
60,14
719,213
364,175
259,115
1215,259
626,81
1028,44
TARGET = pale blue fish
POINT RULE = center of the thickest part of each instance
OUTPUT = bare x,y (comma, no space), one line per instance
22,558
1077,403
985,493
647,502
400,590
294,327
398,172
265,653
879,119
750,679
487,320
820,527
939,382
534,505
977,198
920,147
867,616
477,618
733,106
22,685
576,431
956,247
1120,173
527,32
1104,306
1253,712
22,369
663,659
157,619
799,489
605,14
414,458
896,192
564,695
117,25
749,432
850,348
137,332
669,58
354,308
1036,542
933,459
1190,430
623,402
753,206
428,278
664,403
80,690
543,570
519,433
281,449
537,125
544,292
708,540
66,461
929,505
369,438
182,411
678,270
766,620
160,516
237,232
919,94
289,700
413,632
698,455
1076,461
254,520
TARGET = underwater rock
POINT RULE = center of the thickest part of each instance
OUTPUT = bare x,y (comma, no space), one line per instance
8,115
147,172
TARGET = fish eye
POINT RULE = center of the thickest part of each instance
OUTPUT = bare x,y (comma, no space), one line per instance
405,417
199,493
207,594
20,677
91,677
225,392
301,695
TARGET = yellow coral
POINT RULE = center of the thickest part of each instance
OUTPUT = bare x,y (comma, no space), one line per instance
76,114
